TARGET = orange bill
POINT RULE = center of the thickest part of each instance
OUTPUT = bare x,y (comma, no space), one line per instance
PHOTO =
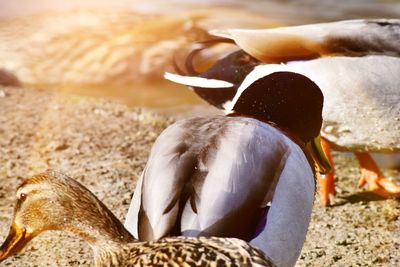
16,240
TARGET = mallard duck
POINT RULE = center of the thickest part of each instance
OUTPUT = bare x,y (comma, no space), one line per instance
53,201
356,64
246,175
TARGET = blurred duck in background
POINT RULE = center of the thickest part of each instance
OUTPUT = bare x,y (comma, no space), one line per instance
356,64
247,175
107,47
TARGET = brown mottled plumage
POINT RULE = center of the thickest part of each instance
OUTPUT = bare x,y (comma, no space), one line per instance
53,201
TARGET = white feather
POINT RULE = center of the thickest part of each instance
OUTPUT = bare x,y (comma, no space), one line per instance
197,81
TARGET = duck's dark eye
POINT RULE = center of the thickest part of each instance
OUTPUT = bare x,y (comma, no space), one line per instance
22,196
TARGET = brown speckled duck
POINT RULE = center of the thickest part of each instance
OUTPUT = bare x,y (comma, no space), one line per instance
53,201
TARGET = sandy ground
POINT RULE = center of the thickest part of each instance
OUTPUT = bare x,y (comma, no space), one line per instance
105,145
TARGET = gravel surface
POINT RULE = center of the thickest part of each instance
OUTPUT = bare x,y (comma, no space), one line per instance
105,145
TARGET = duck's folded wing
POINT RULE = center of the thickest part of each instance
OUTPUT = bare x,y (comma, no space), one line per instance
349,38
246,178
239,182
155,204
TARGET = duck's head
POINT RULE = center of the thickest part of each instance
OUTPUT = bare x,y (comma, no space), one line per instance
53,201
289,100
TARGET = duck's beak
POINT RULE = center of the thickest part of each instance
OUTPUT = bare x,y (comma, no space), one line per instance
16,240
322,164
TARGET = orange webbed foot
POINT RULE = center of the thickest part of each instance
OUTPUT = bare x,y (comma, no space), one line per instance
326,182
371,175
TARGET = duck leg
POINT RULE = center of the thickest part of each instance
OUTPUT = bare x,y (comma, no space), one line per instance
326,182
371,175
